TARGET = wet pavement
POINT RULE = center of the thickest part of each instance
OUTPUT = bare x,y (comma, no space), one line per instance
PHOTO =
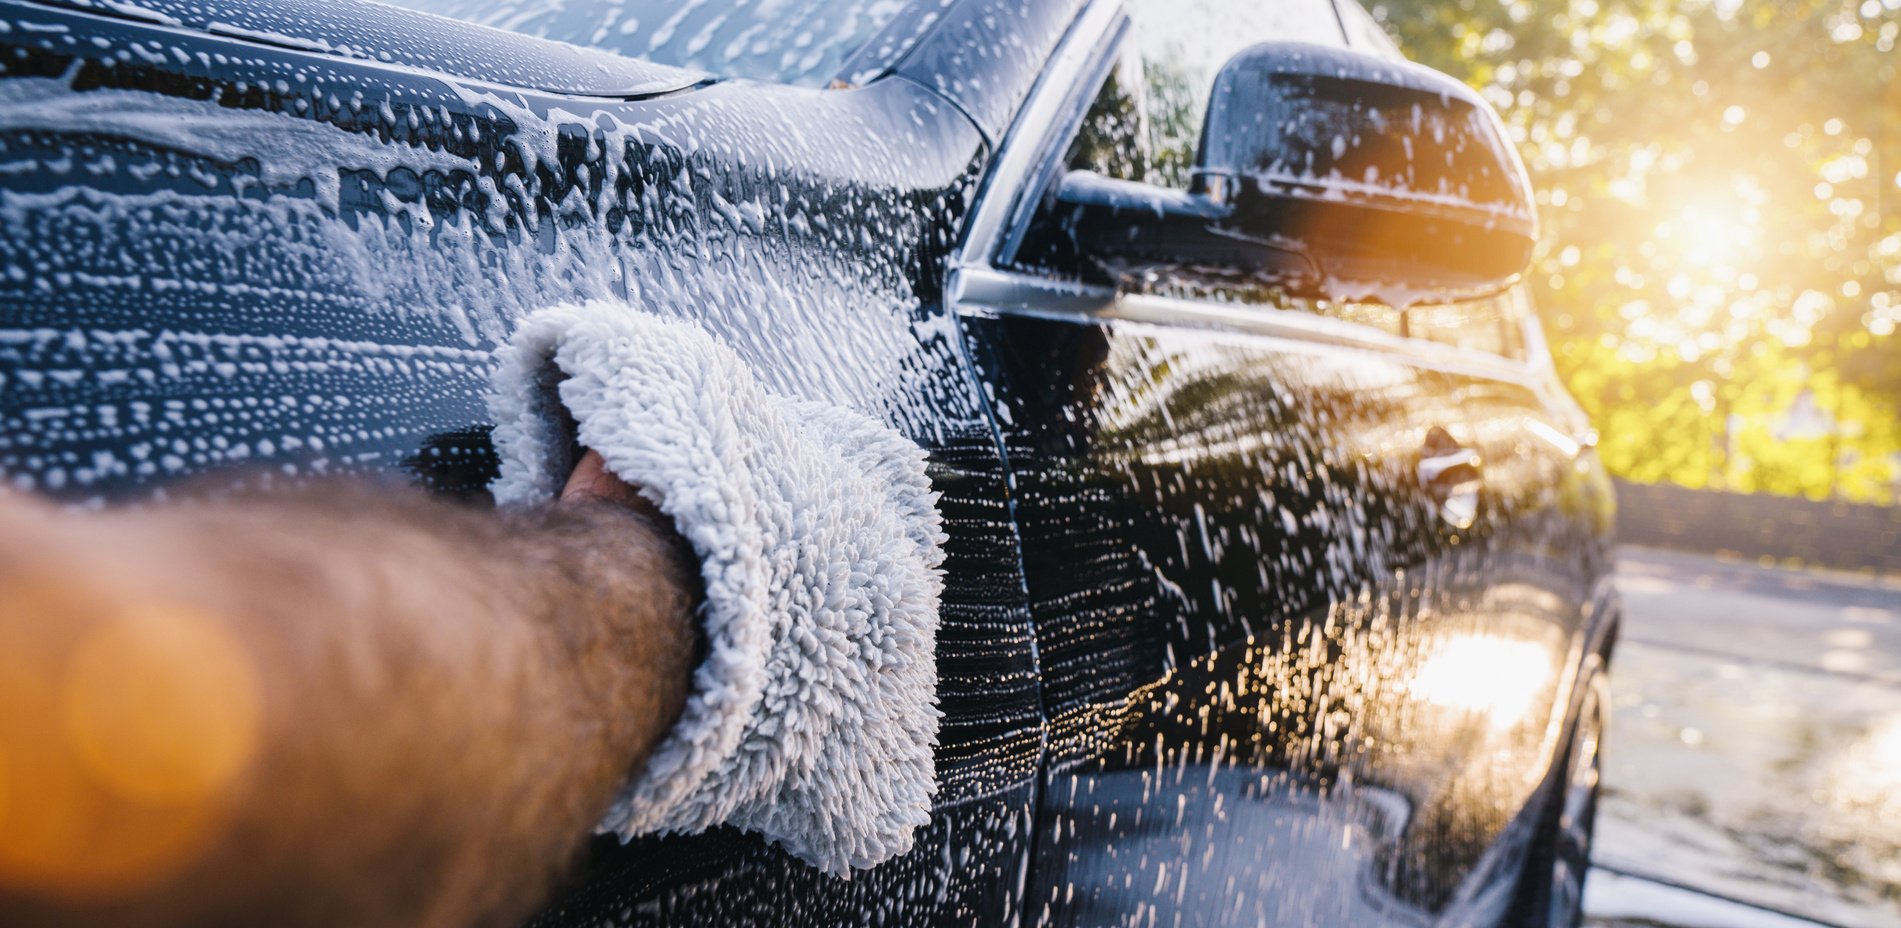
1756,748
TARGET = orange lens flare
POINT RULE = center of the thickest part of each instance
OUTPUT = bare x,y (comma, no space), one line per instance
123,732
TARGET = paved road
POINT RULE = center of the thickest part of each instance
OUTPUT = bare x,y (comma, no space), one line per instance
1756,747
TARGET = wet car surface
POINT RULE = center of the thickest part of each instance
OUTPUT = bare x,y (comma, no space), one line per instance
1261,607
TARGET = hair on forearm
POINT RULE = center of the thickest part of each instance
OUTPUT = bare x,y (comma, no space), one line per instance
414,712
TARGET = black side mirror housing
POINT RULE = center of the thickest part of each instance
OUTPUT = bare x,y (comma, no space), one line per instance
1129,230
1388,174
1329,173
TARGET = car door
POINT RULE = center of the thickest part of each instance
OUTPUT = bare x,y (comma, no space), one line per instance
1299,570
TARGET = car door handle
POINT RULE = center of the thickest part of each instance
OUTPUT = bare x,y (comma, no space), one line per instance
1451,475
1450,468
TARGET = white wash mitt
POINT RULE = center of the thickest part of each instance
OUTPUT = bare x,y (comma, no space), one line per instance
813,718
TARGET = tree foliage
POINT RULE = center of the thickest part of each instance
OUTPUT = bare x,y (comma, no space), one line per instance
1720,191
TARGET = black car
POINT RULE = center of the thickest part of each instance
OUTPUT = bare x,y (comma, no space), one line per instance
1277,580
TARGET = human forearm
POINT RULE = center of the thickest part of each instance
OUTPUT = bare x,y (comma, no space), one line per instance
420,709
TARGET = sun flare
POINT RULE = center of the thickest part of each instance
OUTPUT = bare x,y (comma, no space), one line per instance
1491,675
1710,235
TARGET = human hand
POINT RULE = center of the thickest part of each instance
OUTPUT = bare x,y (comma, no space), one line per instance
592,482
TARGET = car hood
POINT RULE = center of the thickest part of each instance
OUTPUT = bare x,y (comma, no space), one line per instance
408,39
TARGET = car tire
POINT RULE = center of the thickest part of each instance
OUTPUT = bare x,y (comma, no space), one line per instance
1551,889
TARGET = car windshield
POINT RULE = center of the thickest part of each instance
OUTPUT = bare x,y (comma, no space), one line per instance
786,41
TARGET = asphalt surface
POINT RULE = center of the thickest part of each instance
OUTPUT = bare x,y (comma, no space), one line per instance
1753,770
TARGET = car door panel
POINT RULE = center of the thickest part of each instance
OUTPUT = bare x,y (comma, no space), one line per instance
1308,592
1281,685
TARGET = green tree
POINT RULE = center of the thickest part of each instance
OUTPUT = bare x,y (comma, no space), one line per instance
1720,188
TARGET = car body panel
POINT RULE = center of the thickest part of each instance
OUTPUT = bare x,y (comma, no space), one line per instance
225,253
984,56
1236,581
389,35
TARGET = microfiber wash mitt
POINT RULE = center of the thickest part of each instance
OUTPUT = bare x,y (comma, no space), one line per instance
813,717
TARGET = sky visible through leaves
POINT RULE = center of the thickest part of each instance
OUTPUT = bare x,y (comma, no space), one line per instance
1720,191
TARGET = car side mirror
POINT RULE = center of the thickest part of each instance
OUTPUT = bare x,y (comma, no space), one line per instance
1331,173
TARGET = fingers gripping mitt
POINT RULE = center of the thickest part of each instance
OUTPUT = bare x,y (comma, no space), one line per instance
813,717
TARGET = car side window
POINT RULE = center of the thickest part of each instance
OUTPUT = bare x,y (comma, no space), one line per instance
1113,139
1118,137
1144,122
1143,125
1488,324
1184,43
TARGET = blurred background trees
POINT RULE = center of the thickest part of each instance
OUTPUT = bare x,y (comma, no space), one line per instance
1720,187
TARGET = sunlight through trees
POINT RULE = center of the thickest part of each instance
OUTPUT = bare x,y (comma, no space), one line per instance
1720,187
